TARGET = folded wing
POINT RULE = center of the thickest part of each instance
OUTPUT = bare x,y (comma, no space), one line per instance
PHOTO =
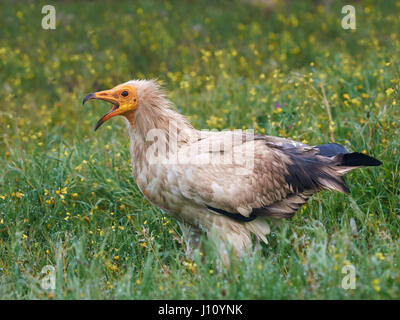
279,176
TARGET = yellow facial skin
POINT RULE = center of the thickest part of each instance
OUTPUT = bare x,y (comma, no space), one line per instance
123,97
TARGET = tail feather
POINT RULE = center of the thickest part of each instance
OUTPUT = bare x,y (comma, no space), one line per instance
342,157
356,159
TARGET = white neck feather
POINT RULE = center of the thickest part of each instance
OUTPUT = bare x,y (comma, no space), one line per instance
155,117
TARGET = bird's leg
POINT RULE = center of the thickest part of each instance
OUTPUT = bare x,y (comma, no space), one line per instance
230,240
191,237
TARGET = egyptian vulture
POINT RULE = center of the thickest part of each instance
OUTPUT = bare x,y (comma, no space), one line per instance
221,183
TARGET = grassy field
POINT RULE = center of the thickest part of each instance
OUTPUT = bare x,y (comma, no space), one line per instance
67,196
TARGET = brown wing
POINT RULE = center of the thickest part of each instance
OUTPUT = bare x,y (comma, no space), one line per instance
283,177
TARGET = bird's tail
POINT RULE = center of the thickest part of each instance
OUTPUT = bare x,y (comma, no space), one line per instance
343,160
349,161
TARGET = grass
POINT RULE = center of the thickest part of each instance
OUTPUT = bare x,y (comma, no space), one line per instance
67,196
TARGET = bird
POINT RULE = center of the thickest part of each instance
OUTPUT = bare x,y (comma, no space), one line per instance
225,185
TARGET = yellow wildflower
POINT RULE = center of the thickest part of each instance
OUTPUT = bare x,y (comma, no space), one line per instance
380,256
18,194
389,91
375,285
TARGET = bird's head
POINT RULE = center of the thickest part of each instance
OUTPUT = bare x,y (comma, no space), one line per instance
124,98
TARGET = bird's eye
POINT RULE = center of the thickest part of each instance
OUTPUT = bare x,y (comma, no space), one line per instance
124,93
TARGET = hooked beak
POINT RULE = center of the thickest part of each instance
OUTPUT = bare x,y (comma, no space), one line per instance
108,96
